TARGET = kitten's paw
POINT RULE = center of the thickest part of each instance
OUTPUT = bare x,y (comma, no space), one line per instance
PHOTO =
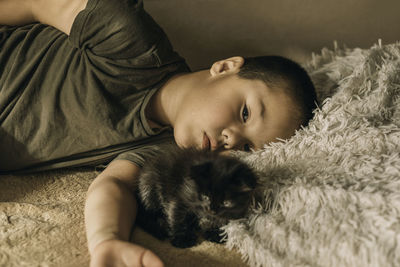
184,241
214,235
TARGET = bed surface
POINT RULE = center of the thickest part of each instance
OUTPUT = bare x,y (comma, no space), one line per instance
42,224
331,193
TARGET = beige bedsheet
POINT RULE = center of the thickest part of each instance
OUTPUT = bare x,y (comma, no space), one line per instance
42,224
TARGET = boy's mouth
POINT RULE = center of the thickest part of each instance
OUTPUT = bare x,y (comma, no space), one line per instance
206,142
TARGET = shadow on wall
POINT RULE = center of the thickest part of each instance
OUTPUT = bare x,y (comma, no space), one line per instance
203,31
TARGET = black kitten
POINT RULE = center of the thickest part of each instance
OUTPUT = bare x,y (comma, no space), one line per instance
184,192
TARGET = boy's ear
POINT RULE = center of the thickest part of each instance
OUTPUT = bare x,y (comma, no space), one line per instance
229,65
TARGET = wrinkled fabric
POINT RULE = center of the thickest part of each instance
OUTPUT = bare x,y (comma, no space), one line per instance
80,99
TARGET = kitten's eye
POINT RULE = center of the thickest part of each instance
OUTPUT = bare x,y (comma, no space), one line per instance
246,147
245,113
205,198
227,203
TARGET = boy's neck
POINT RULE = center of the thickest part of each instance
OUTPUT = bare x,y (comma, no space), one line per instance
164,105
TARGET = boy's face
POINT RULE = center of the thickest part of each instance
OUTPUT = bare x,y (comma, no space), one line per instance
233,113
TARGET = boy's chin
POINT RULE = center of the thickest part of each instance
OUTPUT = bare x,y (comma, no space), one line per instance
183,141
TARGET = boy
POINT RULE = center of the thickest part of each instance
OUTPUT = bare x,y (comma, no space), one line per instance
102,83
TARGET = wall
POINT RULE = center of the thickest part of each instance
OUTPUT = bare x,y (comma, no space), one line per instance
206,30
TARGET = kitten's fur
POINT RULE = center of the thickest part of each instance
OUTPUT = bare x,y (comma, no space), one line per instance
184,192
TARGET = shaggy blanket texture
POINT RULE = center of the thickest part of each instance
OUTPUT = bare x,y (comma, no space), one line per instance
331,194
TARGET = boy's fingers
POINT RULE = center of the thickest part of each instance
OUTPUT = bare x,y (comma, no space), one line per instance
142,256
149,259
117,253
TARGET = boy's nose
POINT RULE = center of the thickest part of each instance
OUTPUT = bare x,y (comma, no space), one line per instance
232,139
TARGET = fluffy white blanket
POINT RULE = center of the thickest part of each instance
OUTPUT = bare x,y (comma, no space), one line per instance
332,192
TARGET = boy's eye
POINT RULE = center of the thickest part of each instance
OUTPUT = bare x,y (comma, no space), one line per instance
245,113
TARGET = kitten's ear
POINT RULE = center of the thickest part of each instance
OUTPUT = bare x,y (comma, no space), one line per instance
245,180
202,169
244,188
200,172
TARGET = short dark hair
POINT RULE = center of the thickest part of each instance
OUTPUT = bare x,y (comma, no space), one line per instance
282,73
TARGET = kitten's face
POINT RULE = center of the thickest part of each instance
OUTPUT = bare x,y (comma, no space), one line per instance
226,187
226,206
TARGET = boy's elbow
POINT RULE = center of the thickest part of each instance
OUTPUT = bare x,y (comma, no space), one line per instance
16,12
60,14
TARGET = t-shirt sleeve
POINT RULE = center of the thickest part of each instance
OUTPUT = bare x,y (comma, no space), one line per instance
139,155
115,29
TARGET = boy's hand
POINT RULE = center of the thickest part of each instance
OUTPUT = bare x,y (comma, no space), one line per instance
119,253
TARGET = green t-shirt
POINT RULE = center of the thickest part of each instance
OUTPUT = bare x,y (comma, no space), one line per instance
80,99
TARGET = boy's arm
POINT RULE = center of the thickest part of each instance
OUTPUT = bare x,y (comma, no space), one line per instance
110,212
57,13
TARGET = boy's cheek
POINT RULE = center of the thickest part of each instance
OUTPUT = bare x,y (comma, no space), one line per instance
219,121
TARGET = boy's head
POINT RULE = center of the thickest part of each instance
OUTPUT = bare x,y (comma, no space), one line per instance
285,75
244,103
